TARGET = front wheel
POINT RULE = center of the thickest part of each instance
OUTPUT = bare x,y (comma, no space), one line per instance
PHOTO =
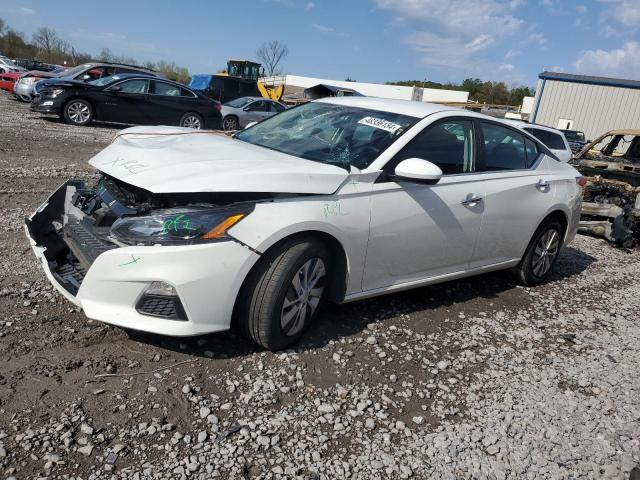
541,254
191,120
282,296
78,112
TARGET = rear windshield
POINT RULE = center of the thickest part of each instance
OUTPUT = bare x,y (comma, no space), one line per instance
574,136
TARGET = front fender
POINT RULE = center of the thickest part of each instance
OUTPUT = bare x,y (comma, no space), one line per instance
343,217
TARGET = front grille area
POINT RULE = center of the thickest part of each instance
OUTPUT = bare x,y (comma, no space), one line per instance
70,274
83,242
161,306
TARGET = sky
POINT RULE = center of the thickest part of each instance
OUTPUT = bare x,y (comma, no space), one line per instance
366,40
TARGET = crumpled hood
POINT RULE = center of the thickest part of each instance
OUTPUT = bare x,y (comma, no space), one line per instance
180,160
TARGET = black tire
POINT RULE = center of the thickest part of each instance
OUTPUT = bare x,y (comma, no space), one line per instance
261,309
192,120
230,123
78,112
536,265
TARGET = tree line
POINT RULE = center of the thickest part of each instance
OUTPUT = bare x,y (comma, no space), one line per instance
47,46
494,93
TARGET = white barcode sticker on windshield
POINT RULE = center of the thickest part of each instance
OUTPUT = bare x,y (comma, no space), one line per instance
381,124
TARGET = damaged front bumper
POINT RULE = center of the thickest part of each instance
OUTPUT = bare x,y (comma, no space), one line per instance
112,283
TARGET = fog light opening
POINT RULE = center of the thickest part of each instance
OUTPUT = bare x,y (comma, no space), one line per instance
161,300
161,288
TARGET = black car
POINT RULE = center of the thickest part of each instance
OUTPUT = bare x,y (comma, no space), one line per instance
128,98
88,72
35,65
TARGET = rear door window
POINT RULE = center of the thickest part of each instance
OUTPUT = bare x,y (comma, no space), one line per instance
259,106
532,152
134,86
167,89
276,107
502,148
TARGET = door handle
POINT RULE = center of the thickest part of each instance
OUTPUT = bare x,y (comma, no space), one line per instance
472,200
543,186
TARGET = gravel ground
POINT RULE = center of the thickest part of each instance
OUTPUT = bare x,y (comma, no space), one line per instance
471,379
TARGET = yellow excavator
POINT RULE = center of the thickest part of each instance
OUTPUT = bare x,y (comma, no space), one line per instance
250,71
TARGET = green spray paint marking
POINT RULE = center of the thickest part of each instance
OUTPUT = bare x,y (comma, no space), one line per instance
333,209
180,222
133,260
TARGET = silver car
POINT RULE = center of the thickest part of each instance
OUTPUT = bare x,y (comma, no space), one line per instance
242,111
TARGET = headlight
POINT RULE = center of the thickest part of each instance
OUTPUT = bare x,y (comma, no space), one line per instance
179,226
28,80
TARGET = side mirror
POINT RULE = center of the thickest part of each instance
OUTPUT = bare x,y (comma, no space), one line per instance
418,170
116,88
249,125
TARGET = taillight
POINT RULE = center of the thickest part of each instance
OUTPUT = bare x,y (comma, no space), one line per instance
582,181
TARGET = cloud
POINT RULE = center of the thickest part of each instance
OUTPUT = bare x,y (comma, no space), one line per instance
324,29
535,37
512,53
621,62
624,12
507,67
456,34
110,36
19,11
581,9
310,6
457,16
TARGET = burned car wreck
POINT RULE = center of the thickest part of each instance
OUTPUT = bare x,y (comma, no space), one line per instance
611,200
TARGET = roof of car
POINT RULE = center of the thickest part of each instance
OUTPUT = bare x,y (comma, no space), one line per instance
402,107
125,76
140,74
521,124
118,64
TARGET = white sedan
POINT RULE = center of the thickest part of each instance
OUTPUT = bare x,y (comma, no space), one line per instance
340,199
552,138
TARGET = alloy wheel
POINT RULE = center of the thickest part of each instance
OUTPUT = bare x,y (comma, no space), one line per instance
303,296
545,252
192,121
230,123
78,112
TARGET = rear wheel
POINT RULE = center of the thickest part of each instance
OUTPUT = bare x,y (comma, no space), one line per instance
230,123
541,254
282,296
191,120
78,112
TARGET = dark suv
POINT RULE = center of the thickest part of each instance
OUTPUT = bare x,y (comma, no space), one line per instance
93,71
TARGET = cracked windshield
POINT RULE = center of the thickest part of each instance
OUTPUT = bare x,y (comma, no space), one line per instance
335,134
